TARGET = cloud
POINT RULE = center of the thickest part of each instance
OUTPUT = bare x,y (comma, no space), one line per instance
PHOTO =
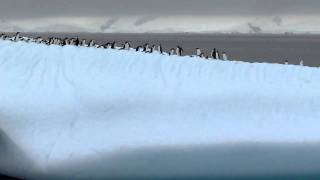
11,9
277,20
107,25
144,20
254,28
60,28
6,26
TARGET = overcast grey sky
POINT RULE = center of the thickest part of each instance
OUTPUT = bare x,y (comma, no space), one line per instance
40,8
11,10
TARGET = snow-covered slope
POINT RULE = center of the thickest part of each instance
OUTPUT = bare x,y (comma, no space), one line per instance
74,112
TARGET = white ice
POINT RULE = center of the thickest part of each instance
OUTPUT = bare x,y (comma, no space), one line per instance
75,112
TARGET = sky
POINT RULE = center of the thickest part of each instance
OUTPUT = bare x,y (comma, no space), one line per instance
201,16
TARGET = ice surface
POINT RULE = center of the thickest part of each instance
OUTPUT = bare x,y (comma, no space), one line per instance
75,112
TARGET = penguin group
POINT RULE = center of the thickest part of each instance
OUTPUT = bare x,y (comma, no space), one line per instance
214,54
146,48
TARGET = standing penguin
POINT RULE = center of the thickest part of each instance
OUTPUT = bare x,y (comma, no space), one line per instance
301,63
198,52
153,49
113,45
286,62
146,48
127,46
83,43
16,37
2,36
218,55
38,40
139,49
171,52
77,41
179,51
64,42
160,49
91,43
214,53
224,56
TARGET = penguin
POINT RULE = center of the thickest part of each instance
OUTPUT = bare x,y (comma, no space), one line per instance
63,43
108,46
213,53
160,49
76,41
146,48
286,62
179,51
301,63
218,55
72,41
153,49
113,45
91,43
38,40
16,37
198,52
50,41
171,52
83,43
2,37
224,56
202,55
59,42
126,46
139,49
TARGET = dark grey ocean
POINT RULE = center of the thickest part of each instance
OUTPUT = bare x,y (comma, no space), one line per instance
250,48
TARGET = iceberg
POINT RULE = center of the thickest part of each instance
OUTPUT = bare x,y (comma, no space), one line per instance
86,113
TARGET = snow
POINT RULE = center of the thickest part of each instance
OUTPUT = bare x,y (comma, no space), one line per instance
76,112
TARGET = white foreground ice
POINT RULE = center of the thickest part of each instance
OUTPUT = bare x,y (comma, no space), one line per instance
74,112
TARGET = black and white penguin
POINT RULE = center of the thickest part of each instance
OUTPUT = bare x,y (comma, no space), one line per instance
16,37
64,42
146,48
58,41
91,43
171,52
286,62
77,41
218,55
224,56
202,55
198,52
83,43
50,41
214,53
153,49
107,45
2,37
126,46
160,49
139,49
301,63
113,45
179,50
38,40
